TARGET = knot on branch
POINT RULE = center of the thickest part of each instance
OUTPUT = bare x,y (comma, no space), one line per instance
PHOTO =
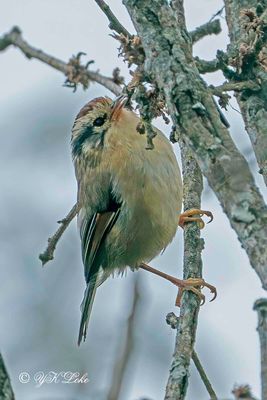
172,320
175,134
77,73
10,38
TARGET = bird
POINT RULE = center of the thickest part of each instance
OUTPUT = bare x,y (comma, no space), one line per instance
129,197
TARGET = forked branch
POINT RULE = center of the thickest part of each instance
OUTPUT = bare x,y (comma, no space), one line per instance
48,254
82,75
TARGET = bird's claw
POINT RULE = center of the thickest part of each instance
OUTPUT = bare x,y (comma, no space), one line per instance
188,216
192,284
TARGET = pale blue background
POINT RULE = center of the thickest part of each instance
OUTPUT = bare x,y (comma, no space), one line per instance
39,310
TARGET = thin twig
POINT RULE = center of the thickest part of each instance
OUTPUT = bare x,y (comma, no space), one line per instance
217,14
48,254
6,391
203,376
14,38
209,28
114,23
121,364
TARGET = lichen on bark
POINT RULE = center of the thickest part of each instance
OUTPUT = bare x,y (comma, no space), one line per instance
169,61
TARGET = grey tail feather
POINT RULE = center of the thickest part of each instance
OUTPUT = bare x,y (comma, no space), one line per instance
86,308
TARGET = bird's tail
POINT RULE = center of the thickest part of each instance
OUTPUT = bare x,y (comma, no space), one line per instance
86,308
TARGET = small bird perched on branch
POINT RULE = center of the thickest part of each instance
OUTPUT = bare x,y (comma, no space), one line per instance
129,197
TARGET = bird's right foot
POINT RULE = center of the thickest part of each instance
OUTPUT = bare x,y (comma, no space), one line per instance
194,285
189,216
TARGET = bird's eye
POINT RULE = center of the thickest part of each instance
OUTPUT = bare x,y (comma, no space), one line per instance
99,121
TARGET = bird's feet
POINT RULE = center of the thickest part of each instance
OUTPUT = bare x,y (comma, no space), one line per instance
189,216
194,285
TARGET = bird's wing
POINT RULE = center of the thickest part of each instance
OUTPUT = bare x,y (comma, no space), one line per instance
93,234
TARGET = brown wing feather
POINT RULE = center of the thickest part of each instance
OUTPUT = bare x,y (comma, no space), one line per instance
93,236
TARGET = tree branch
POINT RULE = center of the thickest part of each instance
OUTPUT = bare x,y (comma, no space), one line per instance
114,23
14,38
48,254
234,86
247,45
194,112
6,391
221,62
193,245
203,376
128,345
261,307
209,28
173,321
205,67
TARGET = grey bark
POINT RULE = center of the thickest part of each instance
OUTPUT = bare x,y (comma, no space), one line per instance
253,105
6,391
173,321
193,245
261,307
170,63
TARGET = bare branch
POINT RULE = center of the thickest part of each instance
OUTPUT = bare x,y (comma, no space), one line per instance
205,67
173,321
122,362
221,62
235,86
209,28
261,307
14,38
218,13
6,391
193,245
114,23
203,376
48,254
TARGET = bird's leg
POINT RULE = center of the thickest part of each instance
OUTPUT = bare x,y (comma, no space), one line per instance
184,284
188,216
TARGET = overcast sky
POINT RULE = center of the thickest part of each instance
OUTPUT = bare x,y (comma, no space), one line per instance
38,188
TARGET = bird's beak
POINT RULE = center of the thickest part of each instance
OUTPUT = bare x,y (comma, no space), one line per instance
117,107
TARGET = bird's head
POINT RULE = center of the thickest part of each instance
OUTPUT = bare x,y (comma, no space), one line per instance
92,122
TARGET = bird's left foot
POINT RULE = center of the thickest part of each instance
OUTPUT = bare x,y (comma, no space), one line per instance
189,216
193,284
